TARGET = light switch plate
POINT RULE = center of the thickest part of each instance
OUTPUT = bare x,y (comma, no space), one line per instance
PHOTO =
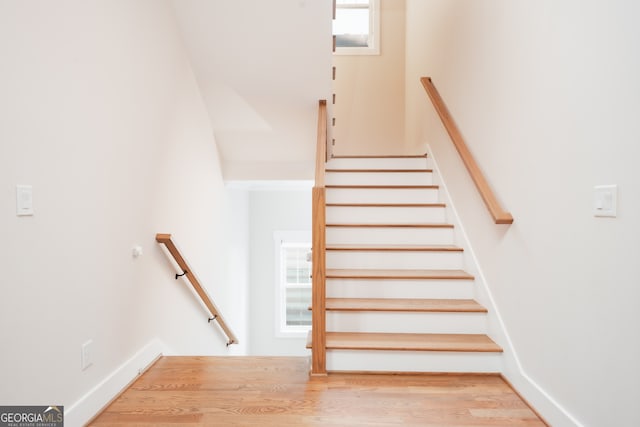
605,200
24,200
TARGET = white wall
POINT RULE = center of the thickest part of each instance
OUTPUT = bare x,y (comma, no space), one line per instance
237,268
101,113
547,95
270,211
369,90
262,66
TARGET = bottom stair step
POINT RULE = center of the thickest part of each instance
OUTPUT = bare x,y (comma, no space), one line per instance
409,342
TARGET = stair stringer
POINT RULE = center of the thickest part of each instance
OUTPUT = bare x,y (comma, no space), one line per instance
481,293
510,365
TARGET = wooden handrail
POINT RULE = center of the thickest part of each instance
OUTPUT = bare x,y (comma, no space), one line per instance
318,244
165,239
500,216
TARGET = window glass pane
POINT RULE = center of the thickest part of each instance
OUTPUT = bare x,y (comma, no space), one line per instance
295,284
351,27
351,21
298,301
350,40
356,27
298,269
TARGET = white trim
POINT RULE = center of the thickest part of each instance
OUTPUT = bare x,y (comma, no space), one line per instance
113,384
374,34
512,369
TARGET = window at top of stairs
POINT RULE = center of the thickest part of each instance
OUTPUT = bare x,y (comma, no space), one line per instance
357,27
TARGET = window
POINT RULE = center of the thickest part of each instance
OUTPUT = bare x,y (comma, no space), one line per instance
294,283
357,27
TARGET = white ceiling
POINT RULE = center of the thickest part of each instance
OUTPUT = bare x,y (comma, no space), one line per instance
262,66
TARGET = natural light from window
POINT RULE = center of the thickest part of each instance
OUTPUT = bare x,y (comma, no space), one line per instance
293,263
356,27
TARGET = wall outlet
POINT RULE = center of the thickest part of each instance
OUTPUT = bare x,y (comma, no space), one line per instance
86,355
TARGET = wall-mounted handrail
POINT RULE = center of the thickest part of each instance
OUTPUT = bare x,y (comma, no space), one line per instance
318,320
500,216
165,239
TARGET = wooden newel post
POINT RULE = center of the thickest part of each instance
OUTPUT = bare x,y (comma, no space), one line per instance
318,330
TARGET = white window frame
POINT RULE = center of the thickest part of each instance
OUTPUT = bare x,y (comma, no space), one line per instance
282,330
374,34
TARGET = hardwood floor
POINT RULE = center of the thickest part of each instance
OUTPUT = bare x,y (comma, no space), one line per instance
277,392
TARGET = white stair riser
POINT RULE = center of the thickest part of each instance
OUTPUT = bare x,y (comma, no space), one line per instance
417,260
382,163
384,215
418,289
406,322
412,361
387,235
382,195
396,322
378,178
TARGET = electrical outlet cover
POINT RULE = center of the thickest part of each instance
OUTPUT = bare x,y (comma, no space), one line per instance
605,200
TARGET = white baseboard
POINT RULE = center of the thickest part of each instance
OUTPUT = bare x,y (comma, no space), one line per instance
99,396
512,370
546,406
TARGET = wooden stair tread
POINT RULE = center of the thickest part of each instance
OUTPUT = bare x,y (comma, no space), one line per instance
389,205
405,304
382,187
380,170
390,308
408,342
396,225
397,274
381,156
393,248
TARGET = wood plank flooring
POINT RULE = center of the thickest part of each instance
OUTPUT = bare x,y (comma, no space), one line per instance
277,391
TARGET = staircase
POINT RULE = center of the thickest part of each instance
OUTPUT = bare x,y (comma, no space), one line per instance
398,298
